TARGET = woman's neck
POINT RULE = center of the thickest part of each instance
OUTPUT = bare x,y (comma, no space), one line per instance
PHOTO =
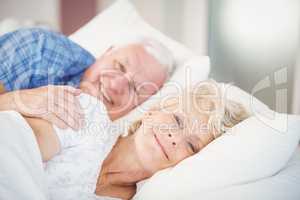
122,165
121,169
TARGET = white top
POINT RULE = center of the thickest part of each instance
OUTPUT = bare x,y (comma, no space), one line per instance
73,173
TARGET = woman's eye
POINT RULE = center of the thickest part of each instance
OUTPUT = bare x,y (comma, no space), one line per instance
192,147
133,86
178,121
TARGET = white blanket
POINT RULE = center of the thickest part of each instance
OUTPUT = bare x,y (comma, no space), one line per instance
21,169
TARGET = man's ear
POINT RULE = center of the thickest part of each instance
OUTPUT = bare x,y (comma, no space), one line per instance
108,51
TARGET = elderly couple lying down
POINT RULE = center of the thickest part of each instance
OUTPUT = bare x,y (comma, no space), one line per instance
92,158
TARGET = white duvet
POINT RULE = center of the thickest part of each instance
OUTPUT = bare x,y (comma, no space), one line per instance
21,168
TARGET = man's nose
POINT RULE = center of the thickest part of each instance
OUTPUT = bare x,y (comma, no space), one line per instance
119,84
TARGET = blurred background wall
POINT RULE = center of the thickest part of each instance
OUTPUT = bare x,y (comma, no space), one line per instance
256,42
251,43
17,12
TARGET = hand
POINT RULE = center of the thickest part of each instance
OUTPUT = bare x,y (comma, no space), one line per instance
56,104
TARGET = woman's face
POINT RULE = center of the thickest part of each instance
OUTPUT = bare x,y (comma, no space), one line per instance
166,138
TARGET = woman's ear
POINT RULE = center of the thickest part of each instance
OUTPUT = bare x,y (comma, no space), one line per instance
134,126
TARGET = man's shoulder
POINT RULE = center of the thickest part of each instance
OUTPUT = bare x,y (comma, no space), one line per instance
35,53
39,36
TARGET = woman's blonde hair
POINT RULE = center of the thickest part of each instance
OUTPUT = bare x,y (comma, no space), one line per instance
207,98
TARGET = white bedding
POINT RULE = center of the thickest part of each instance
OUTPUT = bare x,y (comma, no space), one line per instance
21,171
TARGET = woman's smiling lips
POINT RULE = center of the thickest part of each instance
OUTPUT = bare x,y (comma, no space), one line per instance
161,147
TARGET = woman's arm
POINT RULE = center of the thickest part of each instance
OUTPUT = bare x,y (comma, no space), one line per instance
46,137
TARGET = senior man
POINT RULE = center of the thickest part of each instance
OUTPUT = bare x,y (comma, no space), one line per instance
40,71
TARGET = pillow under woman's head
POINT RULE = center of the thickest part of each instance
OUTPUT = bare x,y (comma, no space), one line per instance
254,149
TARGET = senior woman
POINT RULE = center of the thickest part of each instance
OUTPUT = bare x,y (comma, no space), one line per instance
98,163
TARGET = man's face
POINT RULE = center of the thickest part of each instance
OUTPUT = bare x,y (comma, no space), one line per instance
124,78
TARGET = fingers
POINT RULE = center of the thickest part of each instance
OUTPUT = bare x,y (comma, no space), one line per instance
67,108
69,120
73,102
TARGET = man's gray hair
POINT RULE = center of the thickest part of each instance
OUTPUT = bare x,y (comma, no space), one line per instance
155,48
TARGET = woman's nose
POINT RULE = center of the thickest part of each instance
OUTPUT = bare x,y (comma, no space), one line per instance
172,139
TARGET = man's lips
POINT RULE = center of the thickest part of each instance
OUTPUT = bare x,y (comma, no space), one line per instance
161,147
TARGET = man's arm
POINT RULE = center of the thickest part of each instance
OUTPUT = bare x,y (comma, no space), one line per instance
56,104
6,100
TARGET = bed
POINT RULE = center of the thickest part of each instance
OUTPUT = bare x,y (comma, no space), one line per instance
271,170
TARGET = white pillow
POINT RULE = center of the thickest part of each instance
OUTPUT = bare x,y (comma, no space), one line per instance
252,151
122,19
252,104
